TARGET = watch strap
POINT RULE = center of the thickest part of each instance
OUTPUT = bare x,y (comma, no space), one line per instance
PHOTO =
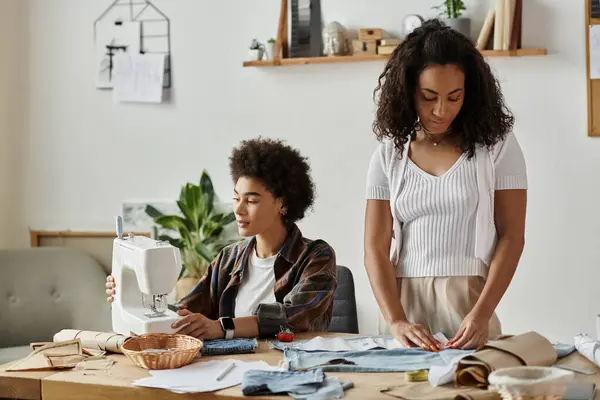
228,332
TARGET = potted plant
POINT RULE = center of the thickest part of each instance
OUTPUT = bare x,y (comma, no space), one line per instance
256,50
198,232
270,48
451,14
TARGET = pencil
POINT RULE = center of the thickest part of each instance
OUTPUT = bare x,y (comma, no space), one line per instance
222,374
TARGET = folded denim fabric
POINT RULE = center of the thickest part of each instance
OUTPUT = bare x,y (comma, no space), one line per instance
395,360
219,347
308,385
562,350
378,360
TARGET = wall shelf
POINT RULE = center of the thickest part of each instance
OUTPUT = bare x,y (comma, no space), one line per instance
283,62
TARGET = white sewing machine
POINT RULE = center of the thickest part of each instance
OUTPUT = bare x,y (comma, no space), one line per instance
145,272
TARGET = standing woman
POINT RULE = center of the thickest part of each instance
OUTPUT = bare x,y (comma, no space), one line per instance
446,192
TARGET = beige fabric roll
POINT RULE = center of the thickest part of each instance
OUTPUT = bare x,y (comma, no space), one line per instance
105,341
441,303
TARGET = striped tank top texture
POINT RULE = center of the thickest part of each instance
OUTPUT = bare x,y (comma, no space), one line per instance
438,216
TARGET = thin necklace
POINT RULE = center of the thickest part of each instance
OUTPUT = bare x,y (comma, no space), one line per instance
429,136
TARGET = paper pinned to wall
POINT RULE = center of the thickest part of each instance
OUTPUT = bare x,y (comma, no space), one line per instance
139,78
594,51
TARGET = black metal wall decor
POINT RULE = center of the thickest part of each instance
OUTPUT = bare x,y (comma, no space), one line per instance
130,26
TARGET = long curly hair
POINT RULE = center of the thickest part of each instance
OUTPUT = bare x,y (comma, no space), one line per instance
484,118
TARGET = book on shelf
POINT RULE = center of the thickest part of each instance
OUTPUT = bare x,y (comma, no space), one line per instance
501,29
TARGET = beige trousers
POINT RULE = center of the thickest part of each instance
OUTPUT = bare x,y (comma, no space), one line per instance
441,303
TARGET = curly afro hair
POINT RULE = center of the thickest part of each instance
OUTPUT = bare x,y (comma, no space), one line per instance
483,119
281,168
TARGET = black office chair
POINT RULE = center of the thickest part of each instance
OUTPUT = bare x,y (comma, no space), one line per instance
344,317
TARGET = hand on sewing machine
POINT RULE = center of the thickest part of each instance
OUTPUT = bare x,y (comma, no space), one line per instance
198,326
110,288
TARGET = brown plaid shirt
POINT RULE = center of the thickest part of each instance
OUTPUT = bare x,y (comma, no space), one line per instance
305,280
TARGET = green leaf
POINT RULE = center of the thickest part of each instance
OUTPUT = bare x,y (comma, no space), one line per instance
152,212
191,219
174,222
191,195
223,219
205,252
208,192
174,242
228,218
211,229
181,272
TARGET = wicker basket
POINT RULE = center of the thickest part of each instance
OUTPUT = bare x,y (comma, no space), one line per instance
162,350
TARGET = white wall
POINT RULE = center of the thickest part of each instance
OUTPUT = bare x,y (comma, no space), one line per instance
84,155
12,40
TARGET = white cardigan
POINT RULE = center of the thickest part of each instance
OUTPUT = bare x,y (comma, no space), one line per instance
502,167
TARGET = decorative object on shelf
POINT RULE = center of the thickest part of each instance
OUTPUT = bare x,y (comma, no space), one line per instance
410,23
198,232
130,26
270,49
451,14
306,40
256,50
370,34
364,47
366,44
334,39
387,46
595,9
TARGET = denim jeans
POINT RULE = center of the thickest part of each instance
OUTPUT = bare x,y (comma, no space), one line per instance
309,385
219,347
376,360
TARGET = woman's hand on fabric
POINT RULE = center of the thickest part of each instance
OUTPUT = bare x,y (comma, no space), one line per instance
414,335
197,325
473,332
110,288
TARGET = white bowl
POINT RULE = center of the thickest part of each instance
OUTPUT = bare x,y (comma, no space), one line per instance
514,382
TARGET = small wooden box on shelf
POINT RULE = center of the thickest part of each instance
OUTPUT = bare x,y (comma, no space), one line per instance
366,34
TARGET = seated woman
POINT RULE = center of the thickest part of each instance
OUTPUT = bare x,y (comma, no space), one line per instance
275,277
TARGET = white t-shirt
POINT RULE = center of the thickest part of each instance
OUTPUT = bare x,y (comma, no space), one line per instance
258,285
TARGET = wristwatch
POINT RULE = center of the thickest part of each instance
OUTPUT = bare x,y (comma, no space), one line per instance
228,326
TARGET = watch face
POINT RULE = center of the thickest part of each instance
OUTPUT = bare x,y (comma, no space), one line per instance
411,22
228,324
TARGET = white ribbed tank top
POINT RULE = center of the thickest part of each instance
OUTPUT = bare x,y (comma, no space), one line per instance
438,221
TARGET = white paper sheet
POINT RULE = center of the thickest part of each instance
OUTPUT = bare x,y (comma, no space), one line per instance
111,40
594,51
201,376
588,347
139,78
361,344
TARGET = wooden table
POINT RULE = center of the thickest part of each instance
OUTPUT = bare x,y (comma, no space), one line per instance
117,381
